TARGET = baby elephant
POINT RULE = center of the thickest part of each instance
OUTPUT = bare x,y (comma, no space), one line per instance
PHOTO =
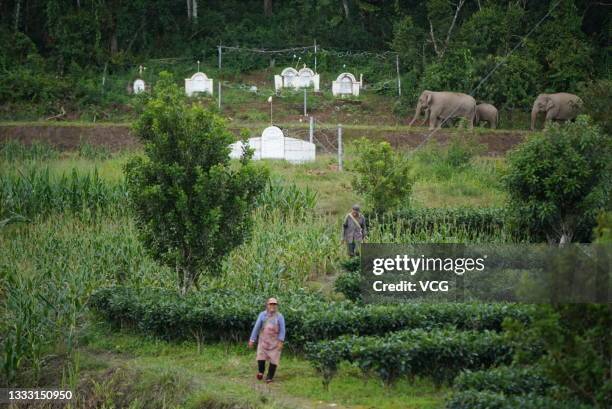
487,113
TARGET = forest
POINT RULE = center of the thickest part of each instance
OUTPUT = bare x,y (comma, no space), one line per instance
80,54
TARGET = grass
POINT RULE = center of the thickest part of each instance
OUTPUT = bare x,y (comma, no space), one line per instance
50,263
225,372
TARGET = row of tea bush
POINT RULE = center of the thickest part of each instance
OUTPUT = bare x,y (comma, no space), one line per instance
224,314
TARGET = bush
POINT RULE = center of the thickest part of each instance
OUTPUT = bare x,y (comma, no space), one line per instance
219,313
559,180
349,282
489,400
438,354
383,176
596,96
506,380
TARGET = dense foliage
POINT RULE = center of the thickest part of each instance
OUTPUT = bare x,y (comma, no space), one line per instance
382,176
192,207
472,399
229,314
504,379
439,354
55,53
559,180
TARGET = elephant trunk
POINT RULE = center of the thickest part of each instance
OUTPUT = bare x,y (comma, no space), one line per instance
417,113
534,115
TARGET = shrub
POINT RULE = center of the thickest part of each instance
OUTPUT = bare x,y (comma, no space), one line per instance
383,176
559,180
220,313
596,96
489,400
438,354
349,284
506,380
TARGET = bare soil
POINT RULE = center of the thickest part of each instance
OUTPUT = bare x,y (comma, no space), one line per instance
117,137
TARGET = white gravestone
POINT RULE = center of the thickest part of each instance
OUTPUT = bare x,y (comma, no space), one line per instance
139,86
198,82
274,145
292,78
346,84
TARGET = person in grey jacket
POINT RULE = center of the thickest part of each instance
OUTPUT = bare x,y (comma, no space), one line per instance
353,230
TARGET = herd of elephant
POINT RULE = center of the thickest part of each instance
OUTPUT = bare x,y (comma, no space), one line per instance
440,107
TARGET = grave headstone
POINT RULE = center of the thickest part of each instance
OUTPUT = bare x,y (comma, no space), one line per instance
198,82
347,84
139,86
292,78
274,145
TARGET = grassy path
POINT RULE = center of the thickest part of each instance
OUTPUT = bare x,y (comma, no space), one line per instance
133,368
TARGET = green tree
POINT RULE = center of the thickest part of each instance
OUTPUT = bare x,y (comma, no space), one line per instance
383,176
192,207
560,33
513,84
559,180
456,71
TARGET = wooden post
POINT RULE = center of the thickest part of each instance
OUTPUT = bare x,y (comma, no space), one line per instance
305,103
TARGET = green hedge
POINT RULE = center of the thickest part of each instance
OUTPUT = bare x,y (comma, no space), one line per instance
439,354
223,314
507,380
471,399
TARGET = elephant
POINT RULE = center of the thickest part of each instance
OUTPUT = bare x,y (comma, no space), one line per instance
561,106
487,113
441,106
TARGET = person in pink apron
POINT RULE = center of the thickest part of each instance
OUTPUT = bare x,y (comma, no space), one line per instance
269,332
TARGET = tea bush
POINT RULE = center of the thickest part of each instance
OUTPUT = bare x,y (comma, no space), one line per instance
506,380
219,313
471,399
439,354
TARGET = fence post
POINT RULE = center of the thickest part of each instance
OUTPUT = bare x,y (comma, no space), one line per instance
315,56
340,147
305,103
219,77
399,80
311,130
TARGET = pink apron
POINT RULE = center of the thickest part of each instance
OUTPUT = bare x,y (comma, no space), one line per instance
267,344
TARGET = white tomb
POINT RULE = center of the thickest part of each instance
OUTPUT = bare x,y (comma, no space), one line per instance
346,84
292,78
139,86
198,82
274,145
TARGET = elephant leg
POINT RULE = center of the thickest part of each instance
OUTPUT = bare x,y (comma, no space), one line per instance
433,120
551,116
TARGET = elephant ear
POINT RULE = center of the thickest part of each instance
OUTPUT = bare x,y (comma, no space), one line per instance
428,98
550,104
